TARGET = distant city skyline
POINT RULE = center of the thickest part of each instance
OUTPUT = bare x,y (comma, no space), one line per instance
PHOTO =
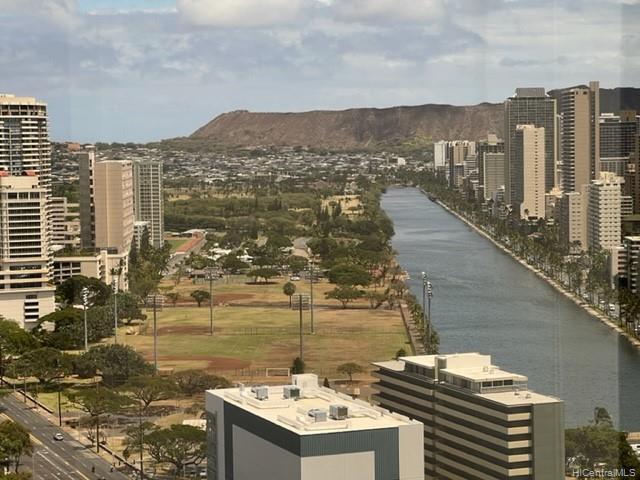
143,70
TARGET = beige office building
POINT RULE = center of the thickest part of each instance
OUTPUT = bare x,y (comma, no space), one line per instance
149,201
604,212
113,204
571,218
65,223
86,167
480,422
25,294
529,171
580,136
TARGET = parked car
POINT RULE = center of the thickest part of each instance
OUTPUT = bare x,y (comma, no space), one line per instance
294,278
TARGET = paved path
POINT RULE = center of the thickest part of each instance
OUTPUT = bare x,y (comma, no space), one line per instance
55,460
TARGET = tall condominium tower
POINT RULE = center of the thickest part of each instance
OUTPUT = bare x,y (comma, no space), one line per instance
492,144
113,203
458,151
528,176
25,185
86,166
579,108
604,212
617,140
480,422
149,204
529,106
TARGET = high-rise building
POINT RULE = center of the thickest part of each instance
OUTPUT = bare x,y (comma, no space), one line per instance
492,144
65,223
632,177
86,165
529,106
440,152
617,140
113,200
580,135
25,294
457,153
25,164
629,264
480,422
307,432
528,170
572,223
493,172
149,201
604,212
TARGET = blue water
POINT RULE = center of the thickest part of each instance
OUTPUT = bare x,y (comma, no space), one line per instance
485,301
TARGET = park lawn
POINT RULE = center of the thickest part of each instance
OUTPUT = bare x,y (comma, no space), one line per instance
257,337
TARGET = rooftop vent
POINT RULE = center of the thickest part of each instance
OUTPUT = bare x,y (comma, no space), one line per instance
262,392
318,415
338,412
291,391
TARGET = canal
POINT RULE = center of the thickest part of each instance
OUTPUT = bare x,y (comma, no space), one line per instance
485,301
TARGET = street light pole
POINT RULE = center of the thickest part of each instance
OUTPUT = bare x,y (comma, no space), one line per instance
210,278
85,301
300,312
424,297
311,295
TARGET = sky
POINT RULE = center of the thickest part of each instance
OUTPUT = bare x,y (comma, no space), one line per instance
143,70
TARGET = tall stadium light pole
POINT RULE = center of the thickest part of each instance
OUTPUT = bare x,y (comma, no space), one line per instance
209,276
429,296
311,295
114,284
85,301
155,333
424,297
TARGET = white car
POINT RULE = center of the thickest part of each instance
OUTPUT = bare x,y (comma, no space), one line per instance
294,278
58,437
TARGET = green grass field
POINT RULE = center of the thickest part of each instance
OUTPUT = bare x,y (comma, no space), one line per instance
254,338
177,242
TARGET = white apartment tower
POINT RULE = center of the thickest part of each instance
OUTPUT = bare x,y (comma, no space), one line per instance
25,183
149,205
529,171
604,212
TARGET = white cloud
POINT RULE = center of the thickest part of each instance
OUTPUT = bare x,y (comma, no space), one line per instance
389,10
240,13
61,13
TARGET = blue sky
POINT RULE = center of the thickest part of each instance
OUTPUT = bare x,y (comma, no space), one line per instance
141,70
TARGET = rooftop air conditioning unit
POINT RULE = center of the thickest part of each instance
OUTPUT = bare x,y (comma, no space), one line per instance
318,415
338,412
291,391
262,392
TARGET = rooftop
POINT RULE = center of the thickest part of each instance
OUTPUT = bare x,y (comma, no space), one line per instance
310,413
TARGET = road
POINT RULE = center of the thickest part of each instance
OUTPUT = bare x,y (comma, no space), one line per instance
56,460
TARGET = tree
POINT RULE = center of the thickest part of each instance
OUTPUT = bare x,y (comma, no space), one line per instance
97,402
191,382
233,264
129,306
149,389
200,296
173,297
15,442
349,274
134,437
179,445
117,363
296,263
263,272
298,366
400,353
70,291
289,289
376,299
344,294
13,341
46,364
325,383
350,368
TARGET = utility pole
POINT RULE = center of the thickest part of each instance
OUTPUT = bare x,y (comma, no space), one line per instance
85,301
156,302
301,340
59,404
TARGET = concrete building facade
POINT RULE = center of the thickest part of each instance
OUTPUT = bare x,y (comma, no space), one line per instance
529,106
571,217
580,136
303,431
149,200
25,294
480,422
493,173
528,176
65,223
604,212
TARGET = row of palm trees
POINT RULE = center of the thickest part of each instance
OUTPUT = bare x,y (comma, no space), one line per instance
583,273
